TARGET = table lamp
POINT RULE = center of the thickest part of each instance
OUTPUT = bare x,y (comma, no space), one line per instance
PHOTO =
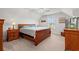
13,24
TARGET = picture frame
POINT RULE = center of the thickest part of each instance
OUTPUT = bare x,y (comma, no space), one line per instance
62,20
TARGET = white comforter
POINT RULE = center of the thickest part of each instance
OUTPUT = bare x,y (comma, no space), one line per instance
31,30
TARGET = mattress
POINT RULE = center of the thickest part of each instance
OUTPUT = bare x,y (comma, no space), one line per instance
31,30
27,31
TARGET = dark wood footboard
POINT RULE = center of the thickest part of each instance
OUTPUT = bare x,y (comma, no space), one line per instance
41,35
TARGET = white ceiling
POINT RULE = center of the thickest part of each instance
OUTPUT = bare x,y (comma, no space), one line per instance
36,12
47,11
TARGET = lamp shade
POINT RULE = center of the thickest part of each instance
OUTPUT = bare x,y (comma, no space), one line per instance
13,23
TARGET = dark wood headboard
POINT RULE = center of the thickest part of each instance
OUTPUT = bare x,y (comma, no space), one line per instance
21,25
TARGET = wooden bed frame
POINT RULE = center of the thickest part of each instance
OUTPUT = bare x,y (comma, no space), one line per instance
40,35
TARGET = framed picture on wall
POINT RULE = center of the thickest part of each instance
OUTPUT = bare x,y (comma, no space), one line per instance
43,20
62,20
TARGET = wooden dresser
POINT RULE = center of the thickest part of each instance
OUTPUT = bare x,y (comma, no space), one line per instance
12,34
1,34
71,39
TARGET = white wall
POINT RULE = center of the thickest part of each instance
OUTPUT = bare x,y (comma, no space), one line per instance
68,11
57,27
76,12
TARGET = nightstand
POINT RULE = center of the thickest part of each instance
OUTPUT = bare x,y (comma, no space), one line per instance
12,34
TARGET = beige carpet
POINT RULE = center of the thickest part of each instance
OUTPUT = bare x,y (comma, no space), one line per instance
53,43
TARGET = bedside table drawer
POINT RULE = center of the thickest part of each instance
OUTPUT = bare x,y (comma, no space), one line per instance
10,38
12,35
11,32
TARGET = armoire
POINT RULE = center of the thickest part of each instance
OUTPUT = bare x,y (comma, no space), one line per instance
1,34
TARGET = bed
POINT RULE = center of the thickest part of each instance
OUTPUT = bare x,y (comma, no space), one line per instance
34,33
